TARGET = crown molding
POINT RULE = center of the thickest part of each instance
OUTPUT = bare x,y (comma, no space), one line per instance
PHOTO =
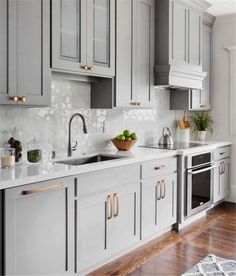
208,19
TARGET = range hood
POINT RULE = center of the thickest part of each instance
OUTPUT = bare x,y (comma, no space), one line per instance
178,78
178,43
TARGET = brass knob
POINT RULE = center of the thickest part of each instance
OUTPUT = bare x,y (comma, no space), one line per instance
15,99
203,106
23,99
134,103
139,104
84,67
90,68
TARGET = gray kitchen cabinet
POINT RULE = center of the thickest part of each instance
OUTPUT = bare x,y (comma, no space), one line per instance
108,222
134,84
221,180
178,58
3,50
101,36
107,215
25,70
83,36
159,204
68,32
38,229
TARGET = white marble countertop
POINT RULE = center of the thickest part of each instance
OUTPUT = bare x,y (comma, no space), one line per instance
23,174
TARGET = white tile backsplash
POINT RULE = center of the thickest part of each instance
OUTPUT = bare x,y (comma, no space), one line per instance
50,125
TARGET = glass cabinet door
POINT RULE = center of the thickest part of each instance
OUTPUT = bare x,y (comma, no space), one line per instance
100,36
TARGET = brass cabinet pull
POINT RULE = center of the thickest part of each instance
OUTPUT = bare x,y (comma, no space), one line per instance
109,204
84,67
15,99
203,106
44,189
138,103
222,168
22,99
90,68
164,189
159,167
158,185
117,204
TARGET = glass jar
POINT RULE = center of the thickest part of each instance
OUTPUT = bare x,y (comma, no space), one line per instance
34,152
7,157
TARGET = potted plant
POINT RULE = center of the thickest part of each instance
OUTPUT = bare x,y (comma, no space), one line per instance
201,123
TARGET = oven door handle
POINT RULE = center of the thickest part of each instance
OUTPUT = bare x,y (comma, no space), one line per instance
201,171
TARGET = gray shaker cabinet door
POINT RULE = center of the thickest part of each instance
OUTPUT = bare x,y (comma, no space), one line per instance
178,33
167,205
143,47
68,31
124,50
195,38
93,228
29,66
4,92
38,235
101,37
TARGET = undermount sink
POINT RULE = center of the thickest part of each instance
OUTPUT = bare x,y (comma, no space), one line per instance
88,160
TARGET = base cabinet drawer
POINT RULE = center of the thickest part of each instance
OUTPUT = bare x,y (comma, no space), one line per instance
159,204
38,221
221,153
158,167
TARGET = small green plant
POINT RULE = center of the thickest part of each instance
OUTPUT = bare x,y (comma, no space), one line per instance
202,121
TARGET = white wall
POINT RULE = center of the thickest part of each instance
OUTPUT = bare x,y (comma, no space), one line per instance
224,35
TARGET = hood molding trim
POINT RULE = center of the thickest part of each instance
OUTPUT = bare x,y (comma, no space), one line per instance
170,76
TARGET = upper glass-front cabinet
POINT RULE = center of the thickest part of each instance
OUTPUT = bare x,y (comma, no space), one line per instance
83,34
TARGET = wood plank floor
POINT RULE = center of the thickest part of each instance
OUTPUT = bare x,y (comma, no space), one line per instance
175,253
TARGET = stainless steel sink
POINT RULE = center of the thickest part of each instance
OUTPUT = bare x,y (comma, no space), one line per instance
89,160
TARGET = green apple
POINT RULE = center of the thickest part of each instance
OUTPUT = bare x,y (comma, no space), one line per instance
126,133
133,136
120,137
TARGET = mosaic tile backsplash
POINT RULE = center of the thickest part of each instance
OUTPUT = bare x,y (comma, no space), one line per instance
50,125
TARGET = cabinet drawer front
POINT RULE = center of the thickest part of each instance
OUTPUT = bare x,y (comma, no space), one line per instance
158,167
221,153
106,179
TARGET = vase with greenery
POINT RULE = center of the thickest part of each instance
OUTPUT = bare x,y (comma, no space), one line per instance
202,123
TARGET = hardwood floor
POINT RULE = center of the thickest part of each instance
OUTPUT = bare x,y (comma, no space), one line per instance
175,253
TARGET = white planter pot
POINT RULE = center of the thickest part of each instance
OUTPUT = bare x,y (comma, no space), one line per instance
202,135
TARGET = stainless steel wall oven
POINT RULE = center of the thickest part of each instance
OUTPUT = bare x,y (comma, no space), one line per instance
199,178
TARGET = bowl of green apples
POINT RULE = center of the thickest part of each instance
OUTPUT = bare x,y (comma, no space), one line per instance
125,141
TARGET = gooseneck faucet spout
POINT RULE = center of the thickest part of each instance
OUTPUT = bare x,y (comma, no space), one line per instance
70,148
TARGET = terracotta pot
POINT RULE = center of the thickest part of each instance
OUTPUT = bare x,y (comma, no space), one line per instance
123,145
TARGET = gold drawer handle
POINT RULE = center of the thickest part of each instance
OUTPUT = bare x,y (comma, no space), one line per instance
158,185
15,99
22,99
163,184
109,207
84,67
44,189
117,204
159,167
90,68
203,106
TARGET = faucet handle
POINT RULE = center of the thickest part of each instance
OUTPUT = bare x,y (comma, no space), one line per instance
75,146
